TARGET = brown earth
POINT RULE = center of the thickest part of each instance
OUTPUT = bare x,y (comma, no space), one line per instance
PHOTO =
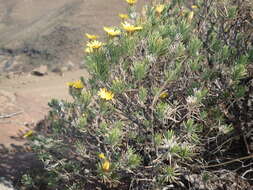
33,33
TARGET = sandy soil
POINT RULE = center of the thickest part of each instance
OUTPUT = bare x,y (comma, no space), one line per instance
28,95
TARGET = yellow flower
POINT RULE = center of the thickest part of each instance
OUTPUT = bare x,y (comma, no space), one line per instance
164,95
77,84
159,8
190,16
70,84
131,2
28,134
194,6
95,44
112,31
130,28
106,166
101,156
91,37
123,16
88,50
105,94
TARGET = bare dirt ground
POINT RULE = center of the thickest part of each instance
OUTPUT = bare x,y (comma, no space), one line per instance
34,33
24,101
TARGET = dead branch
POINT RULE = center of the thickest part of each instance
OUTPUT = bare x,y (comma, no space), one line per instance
10,115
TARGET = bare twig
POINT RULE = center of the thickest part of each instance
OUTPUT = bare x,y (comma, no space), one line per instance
229,162
10,115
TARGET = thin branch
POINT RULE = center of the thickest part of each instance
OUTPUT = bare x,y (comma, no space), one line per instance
10,115
229,162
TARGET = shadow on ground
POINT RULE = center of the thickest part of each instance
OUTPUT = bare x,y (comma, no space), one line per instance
17,162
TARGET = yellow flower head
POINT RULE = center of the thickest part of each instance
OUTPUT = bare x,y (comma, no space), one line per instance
123,16
164,95
77,84
91,37
194,6
88,50
131,2
28,134
95,44
70,84
112,31
101,156
105,94
159,8
190,16
130,28
106,166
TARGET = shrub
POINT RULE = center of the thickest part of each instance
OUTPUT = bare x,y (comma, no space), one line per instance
166,96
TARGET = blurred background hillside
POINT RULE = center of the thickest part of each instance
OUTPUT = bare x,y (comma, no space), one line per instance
47,32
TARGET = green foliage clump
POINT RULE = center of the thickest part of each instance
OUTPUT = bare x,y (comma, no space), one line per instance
160,101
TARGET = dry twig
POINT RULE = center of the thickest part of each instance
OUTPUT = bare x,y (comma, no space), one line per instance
10,115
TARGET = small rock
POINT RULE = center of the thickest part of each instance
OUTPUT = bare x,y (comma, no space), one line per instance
57,70
65,69
70,64
40,71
